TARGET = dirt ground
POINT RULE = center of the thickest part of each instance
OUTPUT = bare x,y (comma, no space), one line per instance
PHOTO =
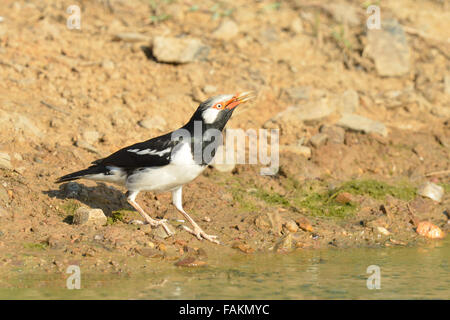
68,97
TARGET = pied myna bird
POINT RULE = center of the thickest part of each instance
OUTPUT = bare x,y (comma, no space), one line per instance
167,162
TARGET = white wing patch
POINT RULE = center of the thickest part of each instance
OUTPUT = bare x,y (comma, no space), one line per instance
150,151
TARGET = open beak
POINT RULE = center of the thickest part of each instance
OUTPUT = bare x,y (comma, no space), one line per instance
238,99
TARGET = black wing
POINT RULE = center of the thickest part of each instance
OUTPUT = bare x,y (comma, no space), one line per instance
155,152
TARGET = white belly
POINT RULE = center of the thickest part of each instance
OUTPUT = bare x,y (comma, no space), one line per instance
162,178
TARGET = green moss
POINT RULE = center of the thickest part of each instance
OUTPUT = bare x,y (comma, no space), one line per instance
318,201
446,186
271,198
36,246
118,215
245,204
378,190
70,207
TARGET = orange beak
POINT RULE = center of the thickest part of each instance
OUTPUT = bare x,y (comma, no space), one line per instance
238,99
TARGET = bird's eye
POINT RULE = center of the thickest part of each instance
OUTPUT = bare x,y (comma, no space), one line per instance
219,106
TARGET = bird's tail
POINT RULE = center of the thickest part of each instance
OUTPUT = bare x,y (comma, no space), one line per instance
81,174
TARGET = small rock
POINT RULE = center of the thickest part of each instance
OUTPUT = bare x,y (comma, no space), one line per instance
431,190
154,122
300,150
344,198
296,25
243,247
88,216
227,30
310,111
304,224
90,136
98,237
209,89
179,50
383,231
85,145
389,49
298,93
190,262
348,102
131,37
5,161
291,226
360,123
318,139
108,65
4,197
335,134
429,230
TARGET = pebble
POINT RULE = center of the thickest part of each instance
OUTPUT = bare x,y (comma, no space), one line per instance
291,226
227,30
348,102
383,231
344,198
154,122
4,197
209,89
179,50
160,232
243,247
429,230
5,161
88,216
131,37
108,65
304,224
389,49
335,134
431,190
298,93
309,111
90,136
318,139
296,25
360,123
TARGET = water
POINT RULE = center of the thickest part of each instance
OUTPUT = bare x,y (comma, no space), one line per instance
405,273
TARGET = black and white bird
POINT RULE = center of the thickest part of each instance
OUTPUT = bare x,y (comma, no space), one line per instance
167,162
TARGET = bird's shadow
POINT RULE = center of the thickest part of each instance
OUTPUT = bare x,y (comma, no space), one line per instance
101,196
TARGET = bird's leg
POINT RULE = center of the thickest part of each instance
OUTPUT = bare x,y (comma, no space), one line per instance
198,232
131,196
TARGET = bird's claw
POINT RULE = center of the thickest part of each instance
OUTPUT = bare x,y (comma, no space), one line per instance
200,234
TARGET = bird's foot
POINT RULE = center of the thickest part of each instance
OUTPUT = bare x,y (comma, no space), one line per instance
200,234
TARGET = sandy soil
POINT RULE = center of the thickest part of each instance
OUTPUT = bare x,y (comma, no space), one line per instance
68,97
